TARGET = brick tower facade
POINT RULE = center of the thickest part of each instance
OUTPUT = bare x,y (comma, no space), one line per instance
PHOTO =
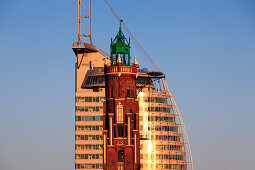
121,146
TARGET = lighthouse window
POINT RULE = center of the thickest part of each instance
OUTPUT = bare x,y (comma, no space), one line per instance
120,113
122,58
114,59
111,93
125,59
120,156
128,93
120,131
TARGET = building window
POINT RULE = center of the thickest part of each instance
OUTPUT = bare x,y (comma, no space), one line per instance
120,113
120,156
89,118
120,131
90,99
89,109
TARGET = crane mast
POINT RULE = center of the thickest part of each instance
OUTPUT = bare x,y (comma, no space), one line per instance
84,21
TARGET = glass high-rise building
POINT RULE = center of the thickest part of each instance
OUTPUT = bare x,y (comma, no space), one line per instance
89,97
161,138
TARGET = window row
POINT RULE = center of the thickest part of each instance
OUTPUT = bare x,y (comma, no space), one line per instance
89,137
124,58
165,128
169,147
161,118
95,80
89,127
89,118
171,166
88,166
89,108
175,157
88,156
161,156
166,137
162,166
160,109
155,99
90,99
88,147
144,80
97,69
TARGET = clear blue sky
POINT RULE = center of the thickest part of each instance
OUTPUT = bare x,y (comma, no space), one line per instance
205,48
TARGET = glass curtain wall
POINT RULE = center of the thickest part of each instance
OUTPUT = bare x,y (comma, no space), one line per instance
160,134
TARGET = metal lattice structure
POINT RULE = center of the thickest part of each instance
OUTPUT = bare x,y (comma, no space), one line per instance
84,17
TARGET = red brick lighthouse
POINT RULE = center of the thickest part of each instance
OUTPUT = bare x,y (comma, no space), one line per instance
121,116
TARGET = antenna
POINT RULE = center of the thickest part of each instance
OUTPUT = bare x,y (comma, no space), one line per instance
81,20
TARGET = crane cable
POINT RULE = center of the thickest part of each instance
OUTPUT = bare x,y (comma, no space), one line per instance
147,55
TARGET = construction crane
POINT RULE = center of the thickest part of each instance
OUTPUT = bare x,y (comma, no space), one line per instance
86,15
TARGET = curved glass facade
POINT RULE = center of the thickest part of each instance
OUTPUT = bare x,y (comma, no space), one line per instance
160,135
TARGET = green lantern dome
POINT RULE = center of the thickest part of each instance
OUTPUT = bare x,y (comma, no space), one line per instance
120,46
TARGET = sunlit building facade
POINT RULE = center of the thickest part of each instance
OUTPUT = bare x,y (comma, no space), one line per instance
89,97
161,141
